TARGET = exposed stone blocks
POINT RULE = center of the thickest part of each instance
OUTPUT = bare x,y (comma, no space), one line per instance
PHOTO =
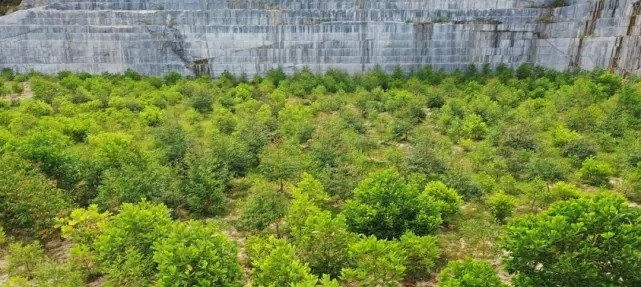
253,36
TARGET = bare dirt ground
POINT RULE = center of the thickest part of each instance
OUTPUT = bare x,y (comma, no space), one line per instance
3,276
26,94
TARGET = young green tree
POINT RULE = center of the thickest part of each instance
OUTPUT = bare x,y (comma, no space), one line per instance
501,206
469,273
323,242
3,237
134,182
173,142
29,203
422,253
28,265
262,209
474,128
275,263
590,241
231,152
23,259
312,188
375,263
386,206
447,199
203,184
195,254
295,122
48,150
564,191
595,172
82,227
282,161
124,248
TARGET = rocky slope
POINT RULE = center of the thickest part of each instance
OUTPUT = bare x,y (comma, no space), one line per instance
252,36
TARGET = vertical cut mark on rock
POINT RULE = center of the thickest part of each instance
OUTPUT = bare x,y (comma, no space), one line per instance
595,15
634,61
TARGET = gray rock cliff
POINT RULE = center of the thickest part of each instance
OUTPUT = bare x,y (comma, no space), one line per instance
252,36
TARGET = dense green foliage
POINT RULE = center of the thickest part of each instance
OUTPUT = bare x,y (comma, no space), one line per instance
587,242
386,206
501,206
469,273
192,254
8,6
321,179
375,263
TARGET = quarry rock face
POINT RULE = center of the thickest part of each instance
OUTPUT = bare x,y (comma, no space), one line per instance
196,37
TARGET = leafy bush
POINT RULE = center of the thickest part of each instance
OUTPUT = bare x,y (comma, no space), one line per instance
204,185
195,254
448,200
422,253
469,273
579,150
124,247
575,242
375,263
82,227
132,183
3,237
386,206
474,128
262,209
275,263
322,242
564,191
501,206
596,173
23,259
29,203
53,274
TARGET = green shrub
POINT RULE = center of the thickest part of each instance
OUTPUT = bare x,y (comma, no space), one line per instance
501,206
132,183
386,206
322,242
16,281
29,203
262,209
53,274
124,247
195,254
564,191
596,173
579,150
448,200
375,263
474,128
469,273
275,263
82,227
204,184
3,237
422,253
24,259
575,243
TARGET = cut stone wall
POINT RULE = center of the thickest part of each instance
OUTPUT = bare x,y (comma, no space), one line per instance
253,36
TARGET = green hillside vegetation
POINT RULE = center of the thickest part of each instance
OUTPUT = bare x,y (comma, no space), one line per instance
481,177
8,6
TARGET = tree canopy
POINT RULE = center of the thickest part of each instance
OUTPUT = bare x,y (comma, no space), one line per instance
321,179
